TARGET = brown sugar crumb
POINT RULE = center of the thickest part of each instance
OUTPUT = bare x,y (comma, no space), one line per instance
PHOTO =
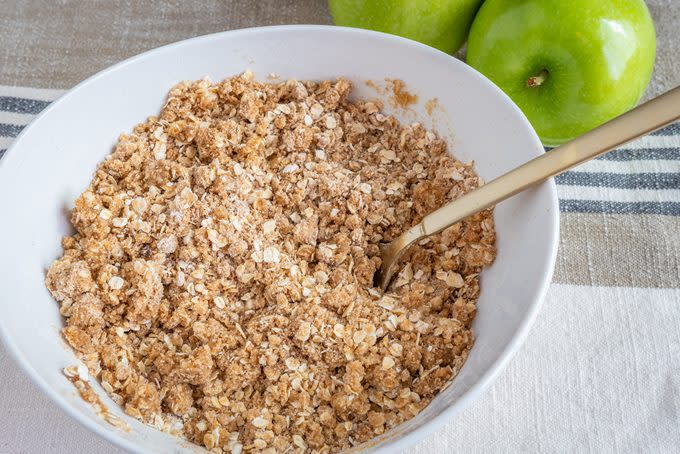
219,283
400,96
377,87
394,90
431,105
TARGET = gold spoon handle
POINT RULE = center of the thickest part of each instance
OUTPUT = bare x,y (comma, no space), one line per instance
638,122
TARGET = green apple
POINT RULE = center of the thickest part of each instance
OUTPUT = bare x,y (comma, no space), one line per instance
443,24
570,65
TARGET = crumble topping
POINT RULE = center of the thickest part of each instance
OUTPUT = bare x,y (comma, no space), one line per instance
219,283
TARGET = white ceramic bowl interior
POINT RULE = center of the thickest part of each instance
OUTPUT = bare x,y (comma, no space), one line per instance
53,160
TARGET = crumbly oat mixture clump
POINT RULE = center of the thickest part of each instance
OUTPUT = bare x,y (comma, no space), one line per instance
219,283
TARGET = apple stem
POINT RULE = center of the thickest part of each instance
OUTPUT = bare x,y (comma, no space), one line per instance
538,79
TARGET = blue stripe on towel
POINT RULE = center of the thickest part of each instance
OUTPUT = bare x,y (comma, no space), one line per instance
620,180
22,105
603,206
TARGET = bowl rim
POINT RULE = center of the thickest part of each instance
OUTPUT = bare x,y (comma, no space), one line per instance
428,427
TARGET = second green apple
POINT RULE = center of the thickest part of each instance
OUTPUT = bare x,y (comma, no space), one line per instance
443,24
570,65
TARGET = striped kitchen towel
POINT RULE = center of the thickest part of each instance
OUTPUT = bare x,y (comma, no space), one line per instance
18,106
641,178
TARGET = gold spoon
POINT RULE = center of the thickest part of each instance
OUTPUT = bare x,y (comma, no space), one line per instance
638,122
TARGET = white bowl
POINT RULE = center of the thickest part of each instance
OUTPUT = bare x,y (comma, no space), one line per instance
53,160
